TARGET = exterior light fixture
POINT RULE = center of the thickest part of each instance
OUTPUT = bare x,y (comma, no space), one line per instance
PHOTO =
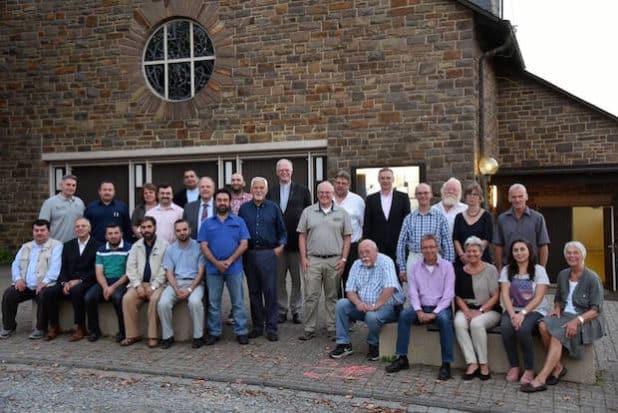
488,165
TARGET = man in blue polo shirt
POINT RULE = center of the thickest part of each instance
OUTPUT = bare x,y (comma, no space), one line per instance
224,239
268,238
110,270
106,210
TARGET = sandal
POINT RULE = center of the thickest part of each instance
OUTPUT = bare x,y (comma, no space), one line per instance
513,375
529,388
526,378
130,341
553,380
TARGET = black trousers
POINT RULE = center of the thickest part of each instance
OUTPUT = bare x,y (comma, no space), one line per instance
77,295
11,299
94,296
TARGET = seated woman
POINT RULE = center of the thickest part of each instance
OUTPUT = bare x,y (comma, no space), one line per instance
576,320
476,296
523,284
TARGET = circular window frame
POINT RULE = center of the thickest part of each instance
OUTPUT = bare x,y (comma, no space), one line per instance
166,62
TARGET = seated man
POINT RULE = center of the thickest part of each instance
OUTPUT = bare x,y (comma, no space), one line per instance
432,289
146,281
76,277
36,266
374,296
184,268
110,269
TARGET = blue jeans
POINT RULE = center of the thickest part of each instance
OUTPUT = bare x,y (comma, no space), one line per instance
346,311
215,291
261,271
444,321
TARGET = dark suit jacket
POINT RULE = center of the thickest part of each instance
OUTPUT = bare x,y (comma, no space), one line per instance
180,198
299,199
191,212
79,267
385,233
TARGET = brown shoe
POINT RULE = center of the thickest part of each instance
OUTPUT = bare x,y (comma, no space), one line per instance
52,333
153,342
78,334
129,341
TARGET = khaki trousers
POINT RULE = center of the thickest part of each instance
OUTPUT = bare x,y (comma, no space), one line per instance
472,337
321,273
130,308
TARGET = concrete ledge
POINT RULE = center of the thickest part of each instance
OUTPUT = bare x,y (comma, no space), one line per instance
183,328
425,349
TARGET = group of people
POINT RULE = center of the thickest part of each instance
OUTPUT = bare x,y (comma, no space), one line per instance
364,255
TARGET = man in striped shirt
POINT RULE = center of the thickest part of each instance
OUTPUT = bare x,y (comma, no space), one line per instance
110,268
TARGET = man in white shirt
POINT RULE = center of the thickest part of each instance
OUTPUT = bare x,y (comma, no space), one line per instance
355,207
191,192
451,204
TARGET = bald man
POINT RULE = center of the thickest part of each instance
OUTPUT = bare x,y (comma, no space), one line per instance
374,295
239,196
324,236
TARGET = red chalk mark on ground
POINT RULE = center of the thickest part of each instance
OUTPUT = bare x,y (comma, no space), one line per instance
330,368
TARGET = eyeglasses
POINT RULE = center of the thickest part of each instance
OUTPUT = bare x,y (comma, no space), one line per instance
473,194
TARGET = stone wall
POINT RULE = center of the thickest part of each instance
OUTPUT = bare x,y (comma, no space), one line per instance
540,127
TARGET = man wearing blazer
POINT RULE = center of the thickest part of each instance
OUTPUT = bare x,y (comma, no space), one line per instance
76,277
384,214
196,212
190,193
292,199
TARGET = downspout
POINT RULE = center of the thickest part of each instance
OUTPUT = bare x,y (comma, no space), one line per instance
481,127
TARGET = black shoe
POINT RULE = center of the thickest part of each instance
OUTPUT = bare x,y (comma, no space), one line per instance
282,318
401,363
242,339
94,336
484,377
210,340
167,343
470,376
445,371
255,334
271,337
308,335
341,351
374,353
296,318
119,337
197,342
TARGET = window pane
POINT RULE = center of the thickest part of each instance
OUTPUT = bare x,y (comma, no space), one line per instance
203,70
156,78
155,47
179,81
178,41
202,46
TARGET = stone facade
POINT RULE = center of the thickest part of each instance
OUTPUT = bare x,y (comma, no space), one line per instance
383,82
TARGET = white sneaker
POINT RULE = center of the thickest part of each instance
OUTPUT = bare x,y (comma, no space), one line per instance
37,335
4,334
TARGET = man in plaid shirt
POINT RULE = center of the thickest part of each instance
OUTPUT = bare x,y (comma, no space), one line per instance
373,295
419,222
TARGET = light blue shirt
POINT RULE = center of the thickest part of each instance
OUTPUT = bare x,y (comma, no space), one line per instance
53,269
184,262
284,196
369,282
192,194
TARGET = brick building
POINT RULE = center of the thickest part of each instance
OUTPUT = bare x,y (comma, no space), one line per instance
99,88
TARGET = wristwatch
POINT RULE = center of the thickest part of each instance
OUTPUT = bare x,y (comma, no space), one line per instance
581,319
482,310
524,311
152,287
190,290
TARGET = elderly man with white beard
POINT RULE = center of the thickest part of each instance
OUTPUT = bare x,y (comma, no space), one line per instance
451,204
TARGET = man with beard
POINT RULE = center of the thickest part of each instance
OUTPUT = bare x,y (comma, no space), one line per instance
451,204
191,192
239,196
77,276
422,221
184,268
196,212
165,214
110,269
36,266
63,209
268,238
146,281
224,239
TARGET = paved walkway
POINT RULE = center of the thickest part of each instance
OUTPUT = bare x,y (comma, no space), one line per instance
292,364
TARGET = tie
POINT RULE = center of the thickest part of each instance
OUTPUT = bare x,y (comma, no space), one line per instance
204,212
